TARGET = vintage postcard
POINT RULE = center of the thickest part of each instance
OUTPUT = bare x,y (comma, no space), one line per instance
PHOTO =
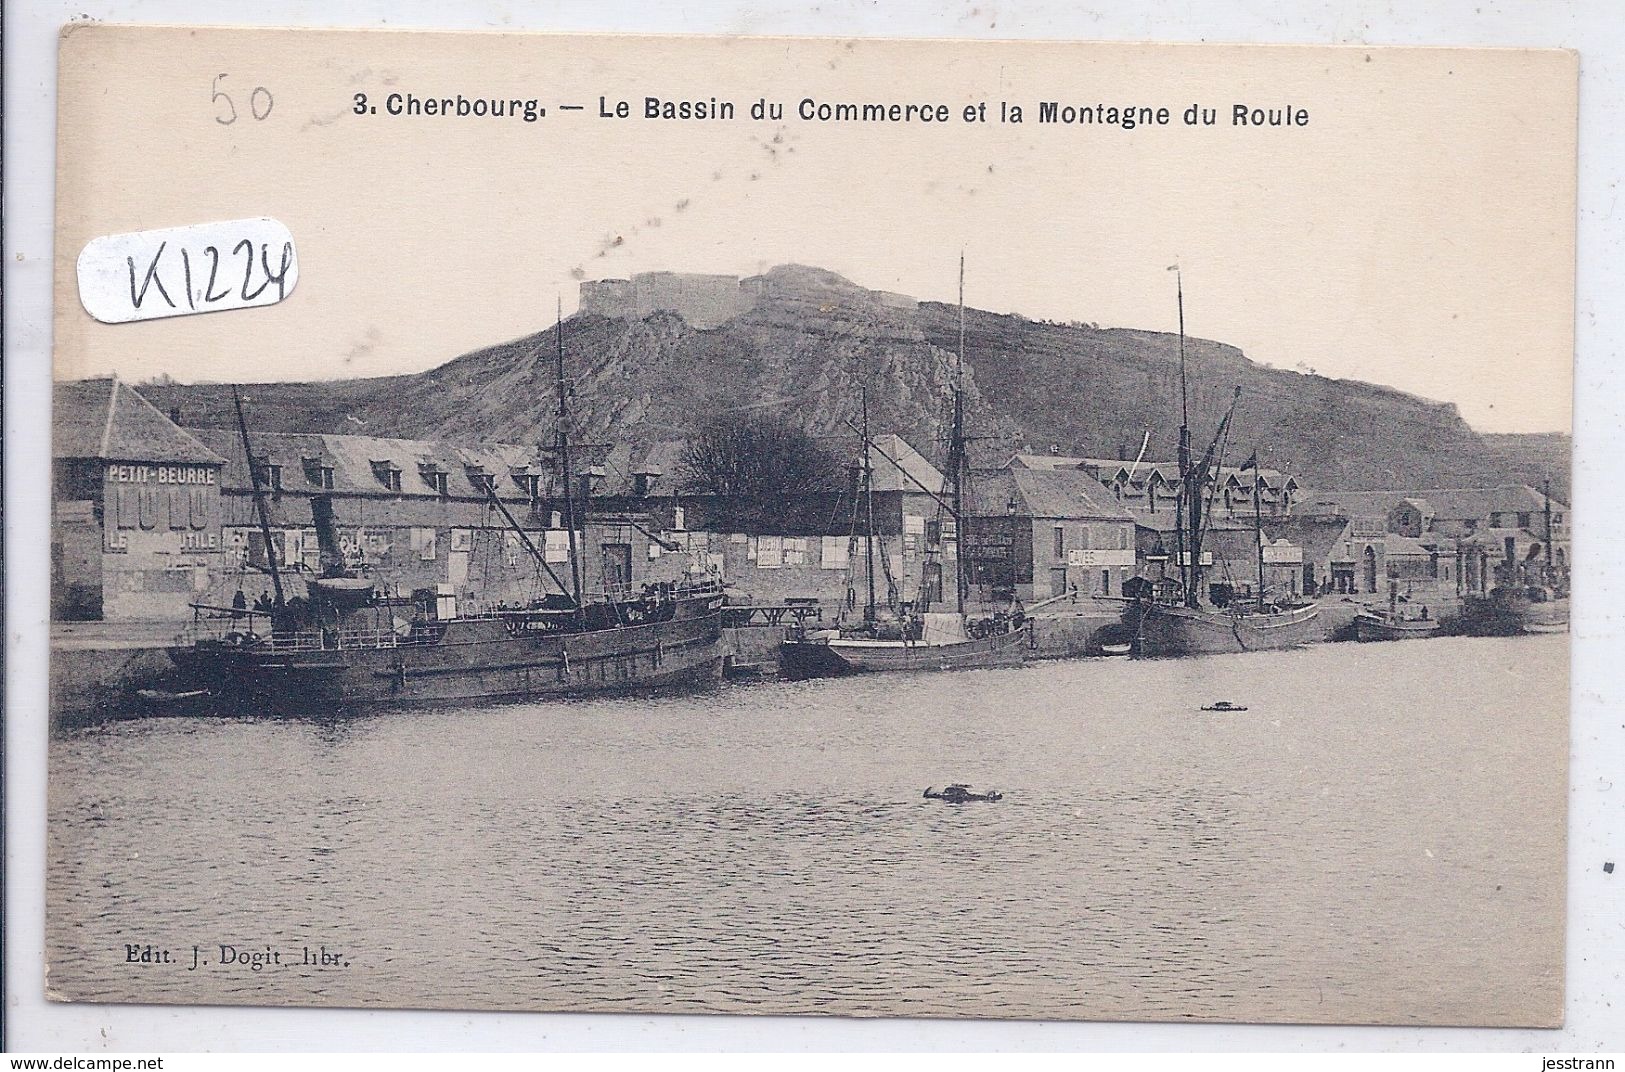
811,526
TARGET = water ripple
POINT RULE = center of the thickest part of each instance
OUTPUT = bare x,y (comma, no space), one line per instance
1369,851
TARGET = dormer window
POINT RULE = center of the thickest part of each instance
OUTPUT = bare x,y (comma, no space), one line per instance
644,478
435,477
316,473
387,473
268,473
530,484
483,482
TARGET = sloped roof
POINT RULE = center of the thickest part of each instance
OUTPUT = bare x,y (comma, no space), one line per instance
1451,504
1496,538
1455,503
1048,462
351,459
990,492
623,462
1317,536
108,420
891,453
1107,470
1061,494
1395,544
1164,523
1350,503
1422,506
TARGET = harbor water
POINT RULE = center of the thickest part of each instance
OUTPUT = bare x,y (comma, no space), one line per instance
1378,838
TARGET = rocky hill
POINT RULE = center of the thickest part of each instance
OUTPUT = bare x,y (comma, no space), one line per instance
1532,458
810,339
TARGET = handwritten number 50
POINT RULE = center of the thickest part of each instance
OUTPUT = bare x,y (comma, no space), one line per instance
259,103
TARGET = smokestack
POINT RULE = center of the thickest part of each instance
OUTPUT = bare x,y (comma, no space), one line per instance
327,536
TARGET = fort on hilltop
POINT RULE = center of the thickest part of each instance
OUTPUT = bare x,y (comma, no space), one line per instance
709,301
703,301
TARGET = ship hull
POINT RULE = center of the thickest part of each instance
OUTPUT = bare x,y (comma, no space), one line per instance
469,660
1510,612
801,659
1371,627
1162,630
1544,628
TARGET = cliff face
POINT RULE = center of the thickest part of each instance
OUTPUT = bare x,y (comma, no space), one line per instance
1098,393
811,339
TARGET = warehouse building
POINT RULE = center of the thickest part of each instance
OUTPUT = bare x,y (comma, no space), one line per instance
135,504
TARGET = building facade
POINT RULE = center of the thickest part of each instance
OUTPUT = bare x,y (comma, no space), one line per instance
1151,489
152,518
1466,539
815,546
136,514
1041,533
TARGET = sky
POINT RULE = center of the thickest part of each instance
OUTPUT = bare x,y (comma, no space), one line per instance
1417,231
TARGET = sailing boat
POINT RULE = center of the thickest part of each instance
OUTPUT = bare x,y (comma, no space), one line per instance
1174,619
890,638
347,645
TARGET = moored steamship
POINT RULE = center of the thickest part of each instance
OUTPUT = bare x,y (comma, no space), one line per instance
341,657
347,644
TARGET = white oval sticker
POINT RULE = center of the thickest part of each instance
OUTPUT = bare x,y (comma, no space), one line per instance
178,271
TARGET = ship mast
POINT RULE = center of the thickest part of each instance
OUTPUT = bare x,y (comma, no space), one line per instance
1186,520
869,506
956,451
259,497
1258,530
1546,494
561,441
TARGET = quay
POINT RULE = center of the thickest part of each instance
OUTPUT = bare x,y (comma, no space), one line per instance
153,516
96,667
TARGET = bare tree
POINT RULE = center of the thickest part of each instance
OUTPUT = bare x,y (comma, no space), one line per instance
751,463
